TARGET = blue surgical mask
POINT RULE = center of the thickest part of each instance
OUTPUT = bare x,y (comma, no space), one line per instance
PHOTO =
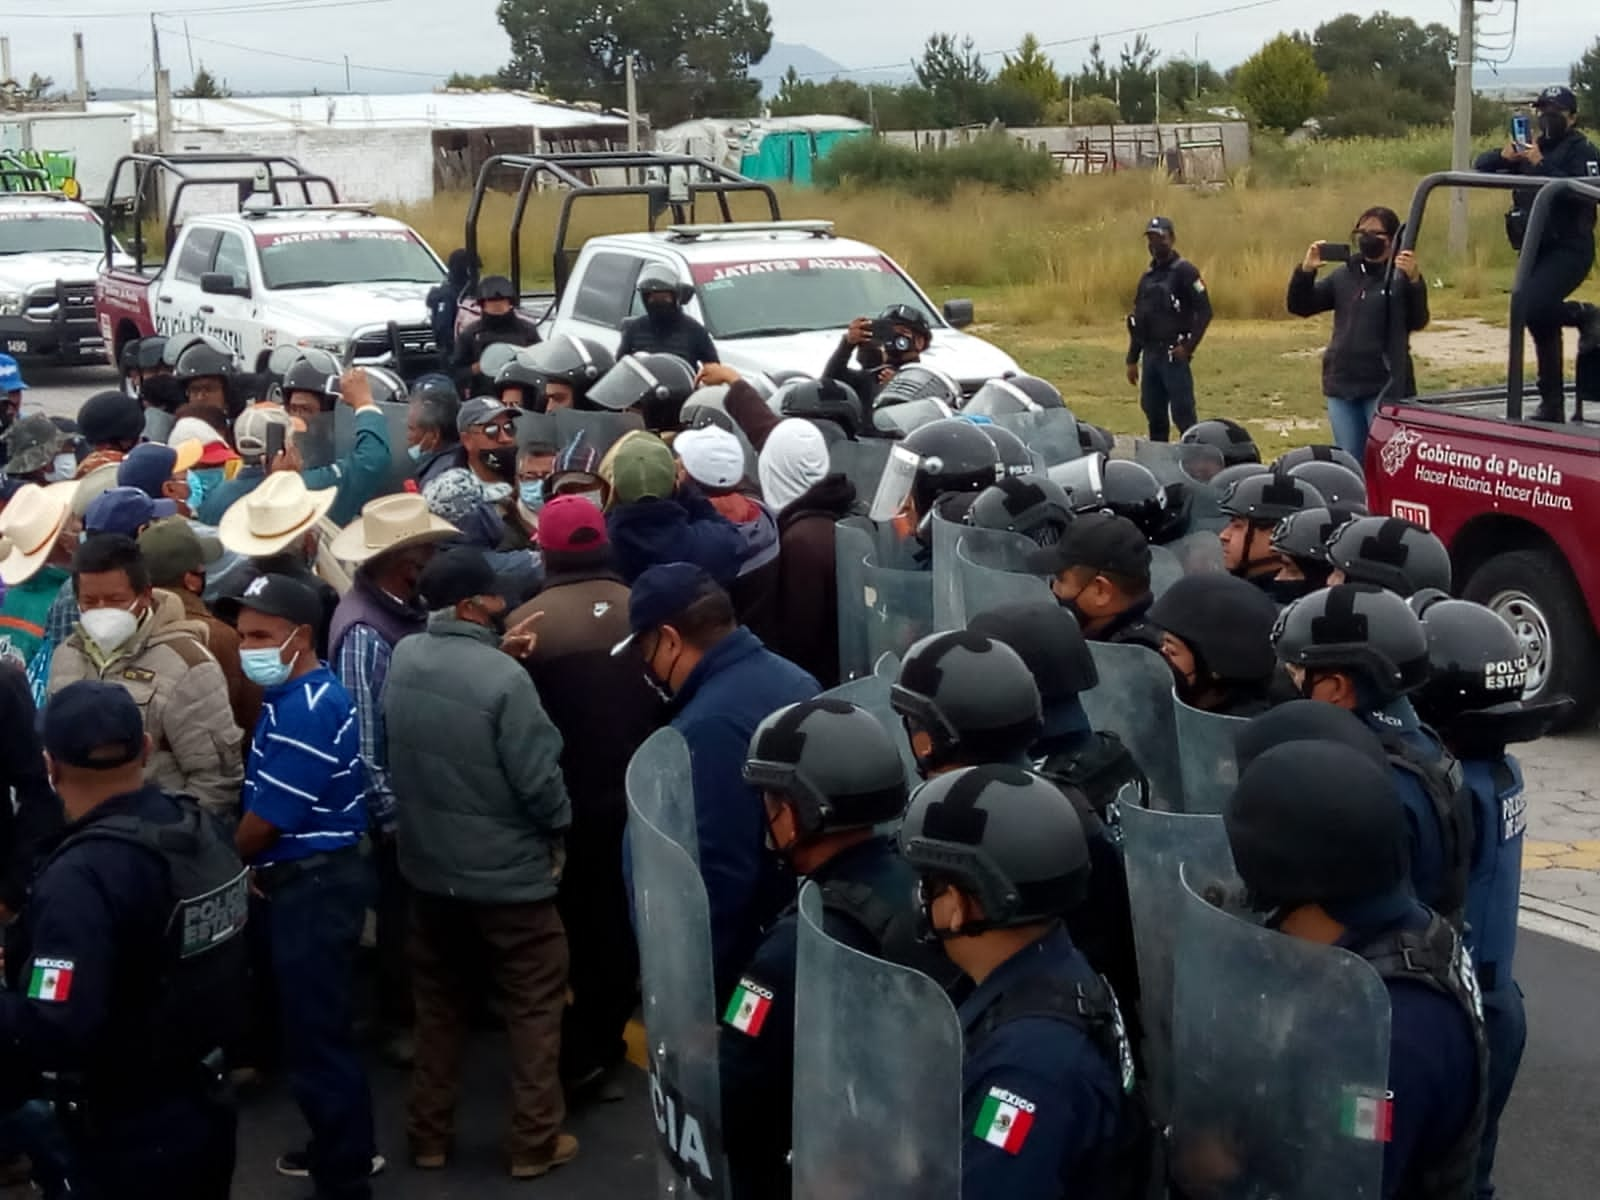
531,493
266,667
415,452
202,482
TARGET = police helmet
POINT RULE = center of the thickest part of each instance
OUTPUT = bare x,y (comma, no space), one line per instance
1268,498
1048,640
1014,456
950,455
1027,504
1390,553
311,372
497,287
832,761
1226,622
176,345
1474,658
520,373
656,278
434,386
1003,835
151,351
1307,721
1013,394
1303,536
913,319
1314,822
973,698
128,358
822,400
1291,459
1228,476
658,381
1132,490
901,420
203,359
108,417
1229,438
1359,630
497,358
1096,439
1338,484
918,381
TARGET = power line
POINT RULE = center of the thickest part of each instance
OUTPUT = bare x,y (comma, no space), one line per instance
256,7
321,62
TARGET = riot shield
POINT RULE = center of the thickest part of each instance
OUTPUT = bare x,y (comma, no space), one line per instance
1207,758
394,420
861,462
1177,462
1134,701
674,927
538,428
602,430
871,692
1197,552
852,551
882,609
1284,1052
1165,570
977,569
1154,845
877,1074
1051,433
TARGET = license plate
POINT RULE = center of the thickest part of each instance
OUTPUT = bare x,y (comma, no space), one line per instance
15,346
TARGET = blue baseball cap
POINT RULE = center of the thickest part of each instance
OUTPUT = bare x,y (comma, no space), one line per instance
11,375
124,510
1557,96
93,725
150,465
662,593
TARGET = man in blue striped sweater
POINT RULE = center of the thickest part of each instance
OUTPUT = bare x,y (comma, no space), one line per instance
302,827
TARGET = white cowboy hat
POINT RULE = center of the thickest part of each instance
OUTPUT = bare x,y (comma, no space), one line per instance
32,522
90,486
270,518
388,523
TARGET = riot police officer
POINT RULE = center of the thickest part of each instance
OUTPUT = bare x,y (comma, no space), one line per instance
1254,505
663,327
1335,482
1099,571
966,699
1361,648
1390,553
1171,311
1320,842
499,323
1473,698
1216,635
1000,857
1301,542
1229,438
1031,505
828,773
130,973
553,375
945,457
206,369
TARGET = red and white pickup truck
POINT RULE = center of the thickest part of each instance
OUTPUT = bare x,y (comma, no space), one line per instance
1511,498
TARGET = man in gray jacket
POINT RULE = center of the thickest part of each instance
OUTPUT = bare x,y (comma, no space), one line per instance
475,765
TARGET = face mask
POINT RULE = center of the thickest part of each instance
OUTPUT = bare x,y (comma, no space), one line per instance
1077,613
1552,124
502,461
62,468
1287,591
531,493
661,309
108,628
415,452
1373,245
202,483
266,667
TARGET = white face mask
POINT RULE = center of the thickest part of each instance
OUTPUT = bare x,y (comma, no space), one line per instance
108,628
62,468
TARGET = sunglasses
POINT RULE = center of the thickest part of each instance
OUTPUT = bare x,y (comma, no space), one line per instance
498,429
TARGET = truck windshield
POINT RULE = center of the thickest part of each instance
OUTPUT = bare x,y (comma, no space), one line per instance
809,292
31,234
326,258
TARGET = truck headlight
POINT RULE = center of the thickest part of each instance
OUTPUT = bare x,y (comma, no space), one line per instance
12,304
336,346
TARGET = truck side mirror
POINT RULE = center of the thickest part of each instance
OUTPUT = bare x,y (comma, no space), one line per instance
220,283
958,313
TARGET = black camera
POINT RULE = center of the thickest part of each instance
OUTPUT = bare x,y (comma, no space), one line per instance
885,335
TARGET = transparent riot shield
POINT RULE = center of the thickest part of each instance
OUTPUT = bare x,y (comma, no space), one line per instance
853,549
394,423
1197,552
536,428
1154,845
977,569
602,430
1207,758
871,692
1051,433
1134,701
1282,1053
877,1074
1177,462
1165,570
674,928
861,462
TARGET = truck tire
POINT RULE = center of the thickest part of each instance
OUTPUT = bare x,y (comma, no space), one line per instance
1534,593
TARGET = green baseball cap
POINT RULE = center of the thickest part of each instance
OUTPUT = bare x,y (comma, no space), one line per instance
643,469
172,549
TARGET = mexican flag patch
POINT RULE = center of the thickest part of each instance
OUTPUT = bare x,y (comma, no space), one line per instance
1367,1117
1004,1120
51,979
748,1007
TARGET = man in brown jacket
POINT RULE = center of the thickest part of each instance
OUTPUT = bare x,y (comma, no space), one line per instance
604,709
139,638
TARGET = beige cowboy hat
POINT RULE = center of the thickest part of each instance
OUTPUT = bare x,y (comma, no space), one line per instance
269,519
388,523
90,487
32,522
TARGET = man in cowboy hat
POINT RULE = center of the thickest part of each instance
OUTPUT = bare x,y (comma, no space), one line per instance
389,545
275,526
38,523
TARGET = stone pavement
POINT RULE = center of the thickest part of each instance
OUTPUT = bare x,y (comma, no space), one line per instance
1561,856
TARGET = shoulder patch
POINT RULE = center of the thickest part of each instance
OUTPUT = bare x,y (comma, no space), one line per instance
1004,1120
50,980
1199,284
1593,167
748,1008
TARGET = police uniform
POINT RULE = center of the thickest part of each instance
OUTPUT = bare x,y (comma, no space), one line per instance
1043,1088
1170,308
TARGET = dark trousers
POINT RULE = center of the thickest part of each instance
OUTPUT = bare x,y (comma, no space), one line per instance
1560,270
176,1149
604,980
1505,1026
315,917
392,976
525,949
1165,383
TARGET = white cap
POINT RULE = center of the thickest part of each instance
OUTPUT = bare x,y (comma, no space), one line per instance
712,456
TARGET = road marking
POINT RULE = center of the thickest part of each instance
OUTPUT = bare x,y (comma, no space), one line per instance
1571,925
1577,856
634,1036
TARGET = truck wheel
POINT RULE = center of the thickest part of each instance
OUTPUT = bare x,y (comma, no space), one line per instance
1534,593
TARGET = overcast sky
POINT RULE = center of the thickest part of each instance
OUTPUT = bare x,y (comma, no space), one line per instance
434,37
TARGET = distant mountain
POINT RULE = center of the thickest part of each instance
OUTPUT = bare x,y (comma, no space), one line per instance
810,63
1517,83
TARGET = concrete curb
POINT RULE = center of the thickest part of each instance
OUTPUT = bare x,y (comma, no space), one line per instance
1557,920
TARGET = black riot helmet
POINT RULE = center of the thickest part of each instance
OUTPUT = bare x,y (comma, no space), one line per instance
1228,476
657,384
1013,394
1096,439
1230,438
1303,538
1132,490
1338,484
656,278
917,381
1317,822
574,361
1307,721
497,287
310,373
520,373
1027,504
1291,459
1002,835
1268,498
832,761
1014,456
913,319
944,457
203,359
128,359
150,352
1390,553
902,420
1226,622
1357,630
1049,641
823,400
966,699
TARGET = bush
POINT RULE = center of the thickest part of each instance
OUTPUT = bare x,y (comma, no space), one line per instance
994,160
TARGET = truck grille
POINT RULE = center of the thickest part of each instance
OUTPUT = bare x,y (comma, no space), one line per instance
44,303
416,340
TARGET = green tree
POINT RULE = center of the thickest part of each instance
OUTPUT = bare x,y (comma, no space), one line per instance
691,58
467,82
1585,79
1031,71
1385,74
1282,83
1084,110
205,86
954,75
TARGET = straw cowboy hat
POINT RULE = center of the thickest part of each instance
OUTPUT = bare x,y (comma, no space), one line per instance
273,516
32,523
390,523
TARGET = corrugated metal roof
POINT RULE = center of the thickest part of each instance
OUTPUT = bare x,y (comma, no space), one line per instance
431,110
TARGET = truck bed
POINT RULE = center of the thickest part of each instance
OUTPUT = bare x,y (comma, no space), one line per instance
1489,404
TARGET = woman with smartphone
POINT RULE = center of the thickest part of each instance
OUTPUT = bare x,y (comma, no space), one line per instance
1355,366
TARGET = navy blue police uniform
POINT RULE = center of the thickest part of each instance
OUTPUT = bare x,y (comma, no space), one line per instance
1171,308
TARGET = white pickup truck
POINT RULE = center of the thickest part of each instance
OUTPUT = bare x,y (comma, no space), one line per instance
775,296
50,252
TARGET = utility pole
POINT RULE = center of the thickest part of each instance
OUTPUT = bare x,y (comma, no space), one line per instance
347,72
633,107
5,58
1461,142
81,91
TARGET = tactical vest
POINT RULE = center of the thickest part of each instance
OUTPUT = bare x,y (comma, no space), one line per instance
1158,312
1437,958
893,930
200,995
1099,773
1446,787
1502,821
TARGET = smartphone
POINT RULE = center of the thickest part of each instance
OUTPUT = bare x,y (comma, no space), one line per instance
1335,252
274,441
330,386
1521,131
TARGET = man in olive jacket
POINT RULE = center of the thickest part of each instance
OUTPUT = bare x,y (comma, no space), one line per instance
475,764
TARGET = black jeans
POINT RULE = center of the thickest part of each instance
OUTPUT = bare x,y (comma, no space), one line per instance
1166,383
1560,270
604,978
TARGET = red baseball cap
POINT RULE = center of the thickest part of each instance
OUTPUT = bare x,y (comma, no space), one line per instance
571,525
